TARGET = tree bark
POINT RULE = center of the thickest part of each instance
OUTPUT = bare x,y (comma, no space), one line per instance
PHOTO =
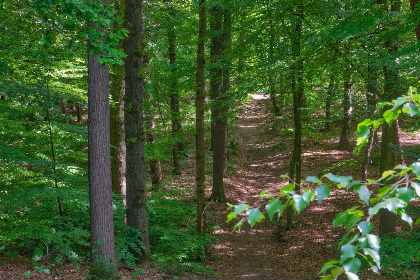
218,105
135,138
99,161
414,6
199,117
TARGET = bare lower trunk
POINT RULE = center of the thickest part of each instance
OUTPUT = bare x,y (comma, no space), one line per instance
344,143
135,138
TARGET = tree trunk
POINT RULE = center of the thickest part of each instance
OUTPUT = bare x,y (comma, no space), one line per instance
389,132
218,106
178,146
117,131
199,118
344,143
99,161
295,167
133,106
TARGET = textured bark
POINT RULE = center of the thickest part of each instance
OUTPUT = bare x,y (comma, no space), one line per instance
344,143
295,167
218,106
199,118
134,130
389,137
63,108
178,146
79,113
101,220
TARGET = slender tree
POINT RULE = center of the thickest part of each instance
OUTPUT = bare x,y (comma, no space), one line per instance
199,118
344,143
134,130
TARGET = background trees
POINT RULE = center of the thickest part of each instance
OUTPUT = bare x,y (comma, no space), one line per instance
323,65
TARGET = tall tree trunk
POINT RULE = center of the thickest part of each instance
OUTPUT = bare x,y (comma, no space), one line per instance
389,137
330,94
218,105
199,118
117,131
344,143
133,106
99,161
178,146
295,167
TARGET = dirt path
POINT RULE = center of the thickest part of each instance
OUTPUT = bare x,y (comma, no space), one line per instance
263,252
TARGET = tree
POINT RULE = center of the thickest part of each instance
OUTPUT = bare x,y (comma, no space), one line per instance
100,190
199,119
134,130
218,104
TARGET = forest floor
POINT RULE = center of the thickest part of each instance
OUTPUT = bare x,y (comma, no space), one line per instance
267,251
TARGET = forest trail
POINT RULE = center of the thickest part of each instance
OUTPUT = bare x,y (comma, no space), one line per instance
265,252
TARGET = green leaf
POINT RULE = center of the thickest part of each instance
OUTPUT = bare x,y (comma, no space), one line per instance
327,266
230,217
308,196
392,204
352,276
363,130
375,209
328,277
417,221
273,207
313,179
364,193
373,241
399,101
322,192
341,181
382,104
263,194
413,109
353,218
373,254
387,173
288,189
383,191
254,216
340,219
300,203
352,265
347,252
240,208
416,187
238,225
365,227
405,217
405,194
416,168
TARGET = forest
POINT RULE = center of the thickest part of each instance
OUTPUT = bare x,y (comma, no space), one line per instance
209,139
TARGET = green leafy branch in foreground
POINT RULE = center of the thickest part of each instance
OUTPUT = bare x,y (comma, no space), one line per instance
397,188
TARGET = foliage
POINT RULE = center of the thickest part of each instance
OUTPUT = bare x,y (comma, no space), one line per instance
177,246
103,267
398,188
